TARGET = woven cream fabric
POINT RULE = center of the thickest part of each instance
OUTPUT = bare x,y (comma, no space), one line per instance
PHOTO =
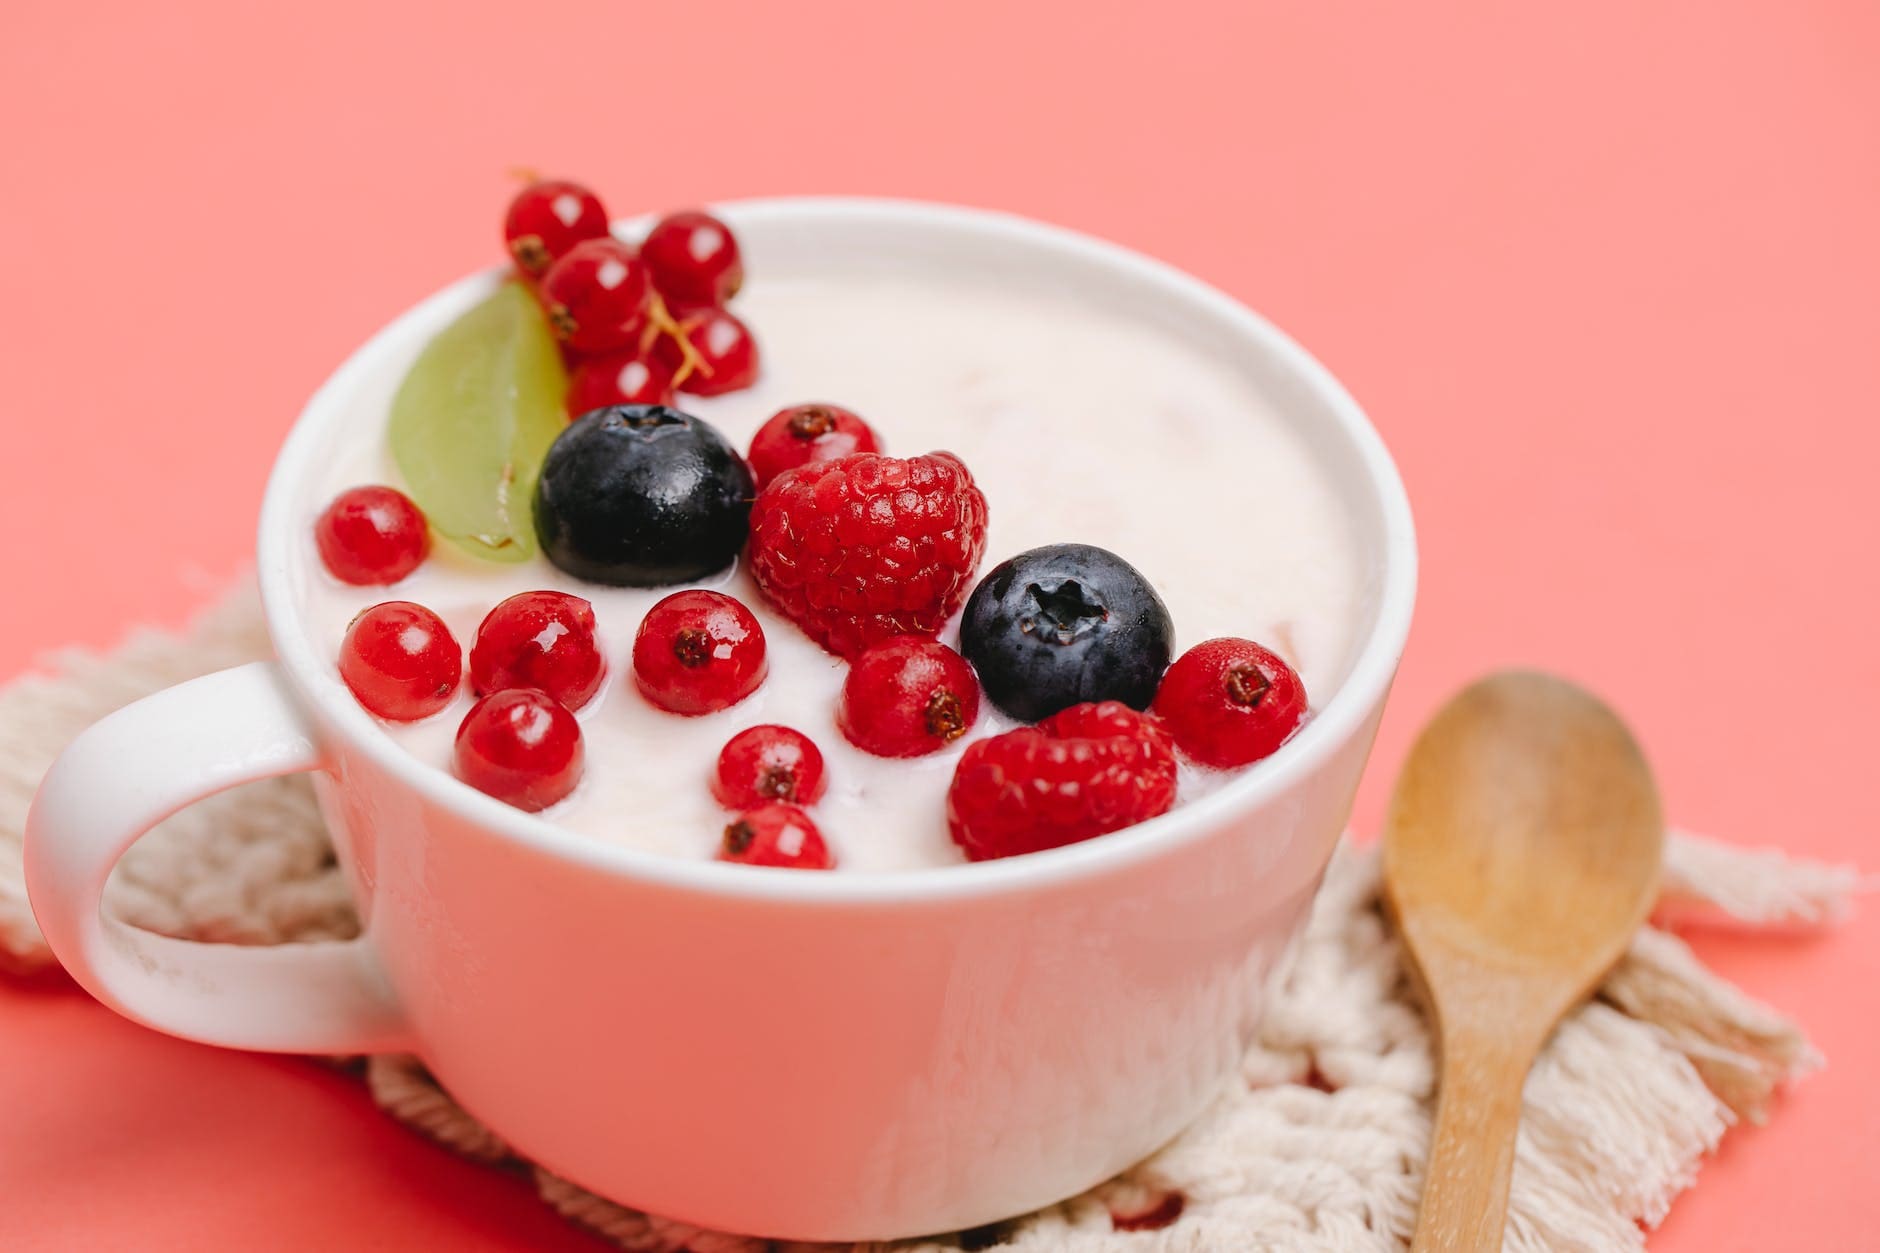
1318,1142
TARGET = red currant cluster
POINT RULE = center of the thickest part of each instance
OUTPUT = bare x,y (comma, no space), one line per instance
636,324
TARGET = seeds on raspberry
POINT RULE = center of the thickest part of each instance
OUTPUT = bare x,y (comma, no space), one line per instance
864,548
546,219
543,640
698,652
400,661
1086,771
907,697
1230,702
520,746
768,763
694,260
775,834
372,536
596,296
806,433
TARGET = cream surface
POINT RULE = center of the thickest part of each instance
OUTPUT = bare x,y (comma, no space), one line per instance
1080,425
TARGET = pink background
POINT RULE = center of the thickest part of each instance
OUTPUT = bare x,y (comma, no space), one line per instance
1609,284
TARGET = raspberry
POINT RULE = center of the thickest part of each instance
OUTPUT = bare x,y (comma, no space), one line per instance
1090,769
907,697
777,834
768,763
1230,702
866,547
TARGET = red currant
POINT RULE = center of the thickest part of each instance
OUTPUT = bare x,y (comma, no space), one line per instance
597,296
804,433
694,260
1228,702
400,660
618,378
908,696
372,535
768,763
521,746
543,640
698,652
548,218
777,834
726,354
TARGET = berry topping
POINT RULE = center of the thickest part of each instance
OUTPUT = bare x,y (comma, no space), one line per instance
724,356
548,218
1064,624
806,433
1080,773
694,261
1229,702
642,496
543,640
520,746
400,660
907,697
698,652
597,296
866,547
372,535
777,834
618,378
768,763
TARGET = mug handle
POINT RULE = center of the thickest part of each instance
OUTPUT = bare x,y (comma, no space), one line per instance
125,774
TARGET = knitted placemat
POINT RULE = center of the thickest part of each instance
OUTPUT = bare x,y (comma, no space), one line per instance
1317,1143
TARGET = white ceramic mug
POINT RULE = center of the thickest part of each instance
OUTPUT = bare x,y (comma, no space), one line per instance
807,1056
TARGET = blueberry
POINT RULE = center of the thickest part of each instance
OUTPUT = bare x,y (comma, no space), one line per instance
642,496
1064,624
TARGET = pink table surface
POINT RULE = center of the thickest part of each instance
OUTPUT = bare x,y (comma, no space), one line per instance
1609,283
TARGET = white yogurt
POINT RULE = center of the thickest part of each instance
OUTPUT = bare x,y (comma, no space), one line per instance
1080,425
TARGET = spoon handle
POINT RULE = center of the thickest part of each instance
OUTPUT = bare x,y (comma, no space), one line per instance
1478,1111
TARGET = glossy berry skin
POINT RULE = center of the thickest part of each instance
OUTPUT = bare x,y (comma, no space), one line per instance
727,354
804,433
400,661
520,746
1064,624
866,547
372,536
618,378
1230,702
547,219
777,834
694,260
597,296
769,763
697,652
1080,773
544,640
642,496
907,697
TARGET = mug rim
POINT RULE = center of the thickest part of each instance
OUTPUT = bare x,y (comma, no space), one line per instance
1363,690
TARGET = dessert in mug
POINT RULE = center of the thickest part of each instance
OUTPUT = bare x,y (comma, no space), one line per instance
841,570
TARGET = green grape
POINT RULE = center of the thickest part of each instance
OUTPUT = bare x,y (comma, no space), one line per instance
473,419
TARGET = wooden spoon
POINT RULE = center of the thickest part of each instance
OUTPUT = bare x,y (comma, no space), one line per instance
1521,854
